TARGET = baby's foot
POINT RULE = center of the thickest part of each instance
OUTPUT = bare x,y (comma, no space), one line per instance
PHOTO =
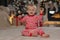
45,36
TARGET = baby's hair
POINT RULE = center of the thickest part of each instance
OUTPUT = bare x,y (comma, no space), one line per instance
31,5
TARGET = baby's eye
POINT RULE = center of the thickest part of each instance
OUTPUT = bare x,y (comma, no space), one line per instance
29,9
33,10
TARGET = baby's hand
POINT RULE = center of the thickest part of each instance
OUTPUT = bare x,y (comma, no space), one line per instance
41,10
20,16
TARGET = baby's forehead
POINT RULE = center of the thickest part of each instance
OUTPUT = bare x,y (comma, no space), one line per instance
31,7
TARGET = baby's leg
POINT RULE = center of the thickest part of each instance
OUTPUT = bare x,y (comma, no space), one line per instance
25,32
29,32
42,33
34,32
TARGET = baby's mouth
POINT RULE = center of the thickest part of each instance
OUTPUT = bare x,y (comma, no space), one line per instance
31,12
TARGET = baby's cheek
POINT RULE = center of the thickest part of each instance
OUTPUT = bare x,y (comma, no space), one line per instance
34,11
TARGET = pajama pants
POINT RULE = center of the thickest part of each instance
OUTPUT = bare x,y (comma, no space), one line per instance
32,32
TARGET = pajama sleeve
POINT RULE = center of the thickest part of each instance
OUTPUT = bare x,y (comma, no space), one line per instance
22,19
40,17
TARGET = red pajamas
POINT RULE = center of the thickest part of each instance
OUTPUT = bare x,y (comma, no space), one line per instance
32,32
41,19
31,25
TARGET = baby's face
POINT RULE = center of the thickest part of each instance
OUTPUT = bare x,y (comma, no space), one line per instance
31,10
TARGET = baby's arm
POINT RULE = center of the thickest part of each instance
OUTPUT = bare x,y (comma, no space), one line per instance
22,18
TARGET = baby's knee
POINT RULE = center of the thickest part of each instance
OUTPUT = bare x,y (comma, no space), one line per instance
29,33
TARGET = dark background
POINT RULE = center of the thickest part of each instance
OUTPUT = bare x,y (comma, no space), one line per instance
3,2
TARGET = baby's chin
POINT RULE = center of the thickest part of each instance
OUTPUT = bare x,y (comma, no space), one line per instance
31,14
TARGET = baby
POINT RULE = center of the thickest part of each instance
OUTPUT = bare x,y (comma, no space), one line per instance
31,21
